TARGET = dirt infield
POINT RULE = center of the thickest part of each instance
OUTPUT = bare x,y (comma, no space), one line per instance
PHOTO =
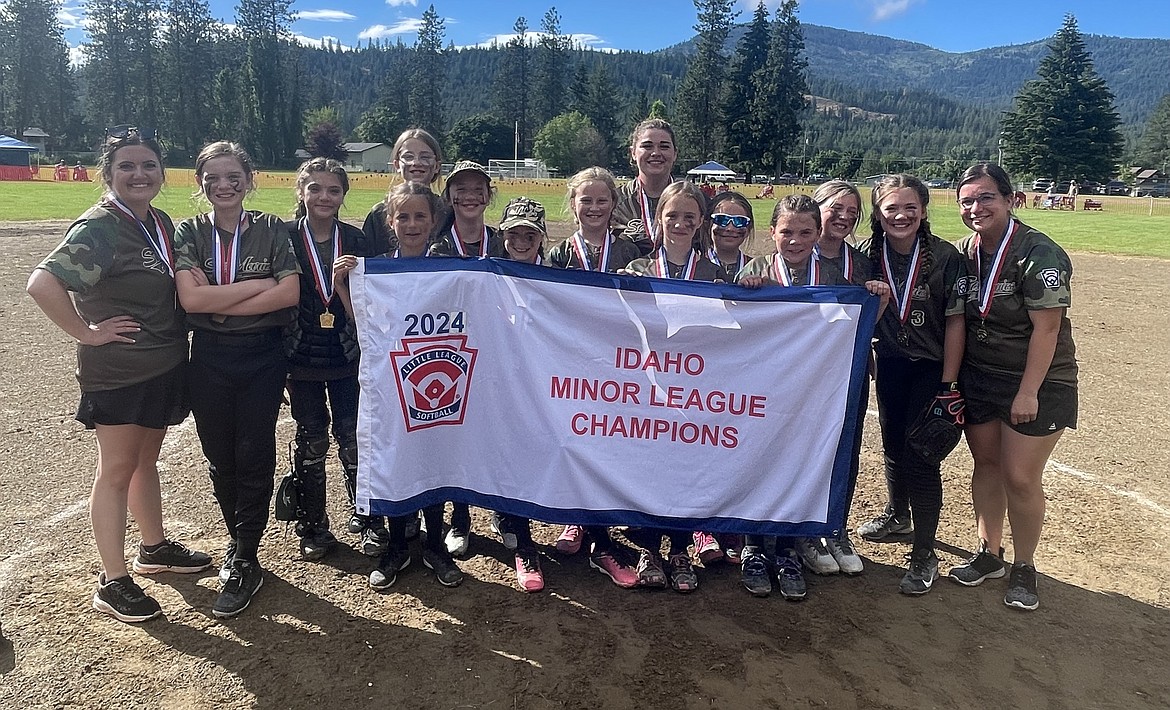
317,635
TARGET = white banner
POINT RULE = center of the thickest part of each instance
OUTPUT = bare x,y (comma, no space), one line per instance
572,396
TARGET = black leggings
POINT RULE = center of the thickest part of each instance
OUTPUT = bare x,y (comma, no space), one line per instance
904,388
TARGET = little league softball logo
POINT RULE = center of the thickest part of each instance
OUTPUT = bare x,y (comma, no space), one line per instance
433,376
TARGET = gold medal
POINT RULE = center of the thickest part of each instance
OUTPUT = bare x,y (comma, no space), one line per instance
326,319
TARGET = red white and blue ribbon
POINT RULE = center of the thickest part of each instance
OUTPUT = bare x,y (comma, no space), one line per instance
322,278
582,250
157,238
459,246
662,270
903,301
784,273
740,260
987,289
226,260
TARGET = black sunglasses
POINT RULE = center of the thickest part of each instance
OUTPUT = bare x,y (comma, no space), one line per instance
126,130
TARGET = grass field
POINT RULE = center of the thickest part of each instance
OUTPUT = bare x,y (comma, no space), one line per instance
1126,226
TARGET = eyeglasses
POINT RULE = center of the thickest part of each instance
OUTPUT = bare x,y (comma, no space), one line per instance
984,199
126,130
424,159
731,220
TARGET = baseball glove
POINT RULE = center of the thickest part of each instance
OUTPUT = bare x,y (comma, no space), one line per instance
937,430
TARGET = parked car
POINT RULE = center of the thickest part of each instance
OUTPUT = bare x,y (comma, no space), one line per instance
1091,187
788,179
1162,190
1041,184
938,184
817,178
1061,188
1116,187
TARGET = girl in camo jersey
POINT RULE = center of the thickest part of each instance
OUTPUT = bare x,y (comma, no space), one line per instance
652,152
416,157
238,279
131,360
1019,375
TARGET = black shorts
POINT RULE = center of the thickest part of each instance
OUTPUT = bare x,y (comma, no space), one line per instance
154,404
989,396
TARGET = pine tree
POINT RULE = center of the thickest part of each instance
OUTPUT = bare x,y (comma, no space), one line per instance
1064,124
32,56
1153,149
272,135
480,138
742,130
122,53
698,96
428,75
552,58
512,101
599,107
780,88
188,60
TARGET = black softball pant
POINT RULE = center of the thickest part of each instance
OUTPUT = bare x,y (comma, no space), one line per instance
236,386
904,388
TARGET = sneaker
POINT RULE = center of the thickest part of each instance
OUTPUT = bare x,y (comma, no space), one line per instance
815,555
317,544
457,541
706,547
754,573
445,569
886,527
732,548
979,567
649,570
229,554
500,526
389,565
124,600
528,573
414,526
356,524
375,540
569,543
170,557
790,578
682,574
845,555
608,564
1021,593
922,573
244,580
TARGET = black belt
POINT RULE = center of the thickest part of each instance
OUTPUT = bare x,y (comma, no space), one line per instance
269,336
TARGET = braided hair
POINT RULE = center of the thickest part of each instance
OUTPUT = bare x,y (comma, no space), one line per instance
887,185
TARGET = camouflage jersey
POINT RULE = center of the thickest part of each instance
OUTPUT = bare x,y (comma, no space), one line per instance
827,273
648,266
627,220
443,244
860,266
1035,275
621,253
265,252
108,263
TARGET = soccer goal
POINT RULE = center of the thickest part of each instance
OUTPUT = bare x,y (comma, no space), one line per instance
512,169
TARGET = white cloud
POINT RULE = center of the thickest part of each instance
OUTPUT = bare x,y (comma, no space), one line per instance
407,26
318,43
582,40
400,3
324,15
886,9
69,17
76,56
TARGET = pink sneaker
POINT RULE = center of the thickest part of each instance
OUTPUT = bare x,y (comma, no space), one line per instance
569,542
609,565
528,572
707,548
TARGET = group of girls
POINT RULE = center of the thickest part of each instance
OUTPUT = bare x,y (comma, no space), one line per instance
268,307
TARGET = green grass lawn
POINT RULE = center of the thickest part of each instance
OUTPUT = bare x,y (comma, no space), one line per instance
1124,227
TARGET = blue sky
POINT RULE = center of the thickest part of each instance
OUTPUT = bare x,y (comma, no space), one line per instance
950,25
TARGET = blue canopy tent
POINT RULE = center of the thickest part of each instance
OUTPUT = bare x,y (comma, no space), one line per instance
712,170
15,159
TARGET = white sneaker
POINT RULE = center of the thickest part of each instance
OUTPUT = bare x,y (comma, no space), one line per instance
815,556
845,556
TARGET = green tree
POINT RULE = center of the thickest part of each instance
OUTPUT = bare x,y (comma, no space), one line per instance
697,109
314,117
480,138
188,57
781,87
599,107
742,130
569,143
122,61
658,110
512,99
1064,124
34,76
428,74
227,100
552,58
271,118
1153,150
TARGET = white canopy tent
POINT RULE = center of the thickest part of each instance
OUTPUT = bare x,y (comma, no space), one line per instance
711,169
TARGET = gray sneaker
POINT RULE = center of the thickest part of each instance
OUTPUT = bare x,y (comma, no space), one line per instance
375,540
845,555
887,527
922,573
170,557
815,556
1021,593
979,567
